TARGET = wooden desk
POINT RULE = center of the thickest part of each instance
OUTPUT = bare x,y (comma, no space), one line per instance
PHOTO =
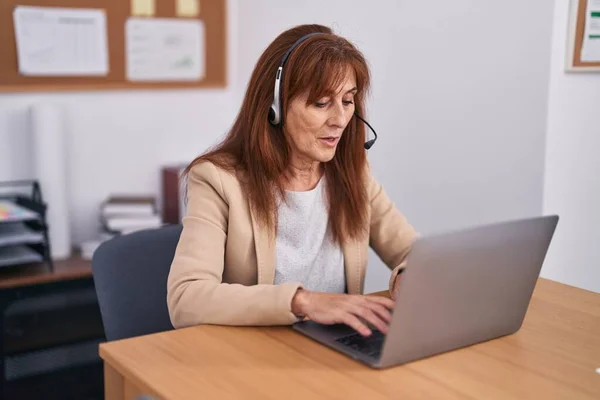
34,274
553,356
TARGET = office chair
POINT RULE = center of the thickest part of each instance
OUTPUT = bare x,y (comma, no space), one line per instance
130,274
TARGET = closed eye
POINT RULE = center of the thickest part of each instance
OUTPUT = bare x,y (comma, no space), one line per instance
324,104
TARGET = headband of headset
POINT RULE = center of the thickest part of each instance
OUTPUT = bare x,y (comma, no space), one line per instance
275,113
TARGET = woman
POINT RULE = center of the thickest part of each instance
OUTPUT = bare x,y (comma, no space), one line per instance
282,212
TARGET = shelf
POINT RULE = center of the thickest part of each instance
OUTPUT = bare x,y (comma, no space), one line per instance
40,329
82,382
51,327
12,212
16,255
16,233
51,359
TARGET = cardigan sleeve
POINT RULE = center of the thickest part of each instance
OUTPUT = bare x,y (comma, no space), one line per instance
195,291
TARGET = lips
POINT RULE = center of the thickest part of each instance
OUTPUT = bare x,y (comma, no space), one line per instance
330,140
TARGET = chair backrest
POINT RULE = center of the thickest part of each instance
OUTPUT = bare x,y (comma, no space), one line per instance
130,274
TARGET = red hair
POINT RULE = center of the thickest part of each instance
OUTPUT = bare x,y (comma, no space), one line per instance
259,152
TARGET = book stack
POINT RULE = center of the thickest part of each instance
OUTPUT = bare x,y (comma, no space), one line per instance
121,215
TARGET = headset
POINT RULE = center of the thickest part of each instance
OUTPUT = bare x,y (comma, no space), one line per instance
276,114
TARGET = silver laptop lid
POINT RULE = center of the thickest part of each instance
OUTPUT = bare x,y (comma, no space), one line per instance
466,287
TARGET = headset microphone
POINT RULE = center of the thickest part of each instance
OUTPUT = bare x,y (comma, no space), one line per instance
275,112
368,143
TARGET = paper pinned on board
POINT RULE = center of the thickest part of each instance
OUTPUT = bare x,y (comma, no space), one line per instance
187,8
54,41
590,51
164,49
143,8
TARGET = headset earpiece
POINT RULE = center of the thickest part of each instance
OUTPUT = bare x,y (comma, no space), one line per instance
272,115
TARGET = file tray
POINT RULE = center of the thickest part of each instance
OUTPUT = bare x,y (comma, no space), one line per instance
23,227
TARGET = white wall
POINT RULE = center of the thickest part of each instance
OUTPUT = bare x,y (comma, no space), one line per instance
459,100
572,180
117,142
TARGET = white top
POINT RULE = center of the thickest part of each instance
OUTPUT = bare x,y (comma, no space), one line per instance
305,252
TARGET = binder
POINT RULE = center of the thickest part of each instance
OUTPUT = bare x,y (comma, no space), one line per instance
173,193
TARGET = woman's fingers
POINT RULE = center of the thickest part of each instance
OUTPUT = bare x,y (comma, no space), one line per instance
369,311
359,312
384,301
381,311
374,310
372,318
355,323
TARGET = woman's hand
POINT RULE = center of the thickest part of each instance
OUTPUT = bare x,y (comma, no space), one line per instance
352,310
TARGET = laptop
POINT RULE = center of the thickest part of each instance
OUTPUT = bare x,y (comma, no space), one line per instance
459,289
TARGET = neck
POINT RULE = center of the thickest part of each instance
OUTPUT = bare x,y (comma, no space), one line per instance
302,176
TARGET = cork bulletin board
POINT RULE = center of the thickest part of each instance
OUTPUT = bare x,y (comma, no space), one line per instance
583,30
211,13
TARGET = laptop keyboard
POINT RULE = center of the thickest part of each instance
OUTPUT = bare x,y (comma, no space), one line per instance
370,346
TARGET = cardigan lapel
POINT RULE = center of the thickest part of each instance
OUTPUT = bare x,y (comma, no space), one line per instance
352,265
264,245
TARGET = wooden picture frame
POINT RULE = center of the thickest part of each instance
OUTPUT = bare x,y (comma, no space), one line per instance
575,38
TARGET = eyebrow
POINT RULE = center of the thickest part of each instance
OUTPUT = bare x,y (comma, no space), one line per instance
353,90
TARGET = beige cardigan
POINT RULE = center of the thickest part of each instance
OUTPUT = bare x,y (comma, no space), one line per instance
224,265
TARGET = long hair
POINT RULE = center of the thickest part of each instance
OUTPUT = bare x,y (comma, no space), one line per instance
258,153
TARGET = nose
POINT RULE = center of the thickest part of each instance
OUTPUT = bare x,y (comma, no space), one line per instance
338,117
